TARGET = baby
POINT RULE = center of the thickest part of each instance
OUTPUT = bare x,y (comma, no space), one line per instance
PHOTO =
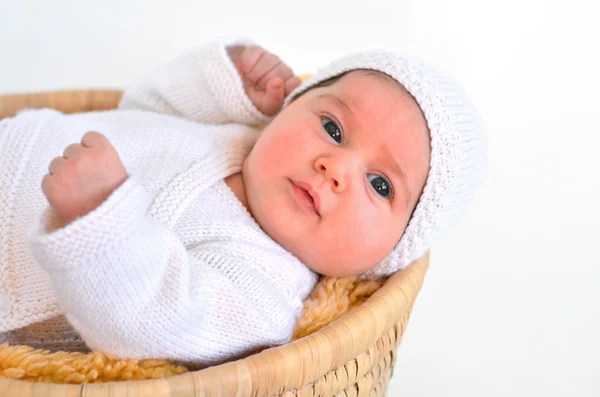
181,227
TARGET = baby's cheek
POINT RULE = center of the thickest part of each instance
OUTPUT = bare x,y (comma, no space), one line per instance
344,234
276,147
375,234
299,142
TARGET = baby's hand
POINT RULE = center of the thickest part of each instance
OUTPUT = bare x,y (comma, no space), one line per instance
84,177
267,80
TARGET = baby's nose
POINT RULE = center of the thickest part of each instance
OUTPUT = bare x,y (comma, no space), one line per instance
338,170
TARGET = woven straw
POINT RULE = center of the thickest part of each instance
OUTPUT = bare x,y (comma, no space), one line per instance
64,101
353,356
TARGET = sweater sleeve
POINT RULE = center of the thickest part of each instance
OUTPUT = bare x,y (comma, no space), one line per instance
201,85
131,289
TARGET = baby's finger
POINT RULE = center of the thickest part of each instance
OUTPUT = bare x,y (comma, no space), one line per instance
72,150
273,99
249,58
291,84
55,164
47,185
263,66
281,70
94,139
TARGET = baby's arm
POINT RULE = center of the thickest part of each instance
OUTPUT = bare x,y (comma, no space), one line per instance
216,84
131,289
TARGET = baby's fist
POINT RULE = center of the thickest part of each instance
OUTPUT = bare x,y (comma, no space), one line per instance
86,174
267,80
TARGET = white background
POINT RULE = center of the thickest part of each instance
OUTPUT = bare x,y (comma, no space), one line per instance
510,306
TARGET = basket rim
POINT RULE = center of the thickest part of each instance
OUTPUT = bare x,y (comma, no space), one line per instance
303,361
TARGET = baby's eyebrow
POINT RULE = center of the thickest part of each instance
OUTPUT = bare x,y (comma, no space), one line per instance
337,99
340,104
401,175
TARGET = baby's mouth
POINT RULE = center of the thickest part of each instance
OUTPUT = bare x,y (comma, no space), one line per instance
304,198
312,201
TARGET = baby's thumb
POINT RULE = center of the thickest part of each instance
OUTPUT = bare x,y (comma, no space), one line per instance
273,98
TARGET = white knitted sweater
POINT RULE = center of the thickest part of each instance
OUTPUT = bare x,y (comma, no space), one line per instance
171,265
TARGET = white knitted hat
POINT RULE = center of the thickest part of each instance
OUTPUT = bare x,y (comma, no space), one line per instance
458,149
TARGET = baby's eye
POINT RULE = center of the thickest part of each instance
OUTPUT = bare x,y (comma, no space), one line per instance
332,129
381,186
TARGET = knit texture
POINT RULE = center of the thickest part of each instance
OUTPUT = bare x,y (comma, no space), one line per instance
171,265
458,149
331,299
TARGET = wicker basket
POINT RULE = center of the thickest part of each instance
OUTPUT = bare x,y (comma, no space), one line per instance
354,356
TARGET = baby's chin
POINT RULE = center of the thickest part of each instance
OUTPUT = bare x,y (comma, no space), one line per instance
326,261
338,267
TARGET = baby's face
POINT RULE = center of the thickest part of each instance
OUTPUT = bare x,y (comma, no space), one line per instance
335,177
